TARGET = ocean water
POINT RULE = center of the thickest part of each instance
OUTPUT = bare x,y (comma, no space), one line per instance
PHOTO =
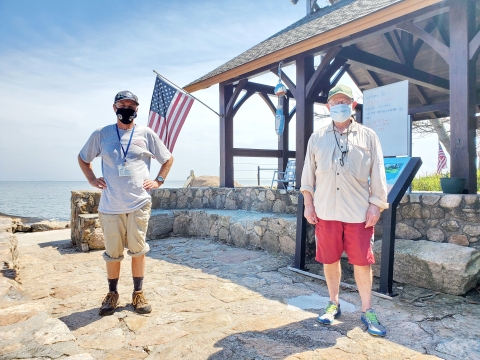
50,200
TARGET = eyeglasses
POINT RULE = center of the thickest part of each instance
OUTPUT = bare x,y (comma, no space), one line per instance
340,102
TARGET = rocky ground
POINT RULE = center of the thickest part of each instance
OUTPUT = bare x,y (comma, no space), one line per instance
213,301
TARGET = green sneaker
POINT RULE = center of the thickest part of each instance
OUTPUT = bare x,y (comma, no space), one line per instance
332,311
374,327
109,304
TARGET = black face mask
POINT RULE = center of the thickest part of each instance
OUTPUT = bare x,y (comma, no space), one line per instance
126,115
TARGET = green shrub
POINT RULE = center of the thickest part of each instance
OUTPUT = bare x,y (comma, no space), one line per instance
428,182
431,182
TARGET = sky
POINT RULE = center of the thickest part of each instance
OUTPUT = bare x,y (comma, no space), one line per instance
62,62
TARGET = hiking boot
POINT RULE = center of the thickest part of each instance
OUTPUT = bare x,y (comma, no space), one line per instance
374,327
109,304
140,303
332,311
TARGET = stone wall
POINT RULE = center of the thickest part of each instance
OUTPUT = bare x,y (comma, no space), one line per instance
82,202
242,198
440,218
421,216
8,245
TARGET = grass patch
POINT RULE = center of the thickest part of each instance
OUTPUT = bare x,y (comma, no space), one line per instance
427,183
431,182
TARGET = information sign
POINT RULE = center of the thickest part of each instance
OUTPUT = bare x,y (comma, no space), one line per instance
385,110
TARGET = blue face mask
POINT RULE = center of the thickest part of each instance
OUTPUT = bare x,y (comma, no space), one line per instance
341,112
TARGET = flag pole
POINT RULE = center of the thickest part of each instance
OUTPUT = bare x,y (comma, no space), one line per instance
180,89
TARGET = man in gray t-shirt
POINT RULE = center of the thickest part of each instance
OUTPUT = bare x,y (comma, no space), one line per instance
126,150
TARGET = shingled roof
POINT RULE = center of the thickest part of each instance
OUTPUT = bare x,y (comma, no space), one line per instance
314,24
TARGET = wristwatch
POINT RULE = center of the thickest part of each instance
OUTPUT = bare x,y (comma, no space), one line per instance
160,178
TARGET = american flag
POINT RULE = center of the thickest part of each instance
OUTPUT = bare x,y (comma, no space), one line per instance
168,110
442,159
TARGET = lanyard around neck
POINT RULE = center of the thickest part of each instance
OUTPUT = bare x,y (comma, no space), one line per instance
343,152
125,152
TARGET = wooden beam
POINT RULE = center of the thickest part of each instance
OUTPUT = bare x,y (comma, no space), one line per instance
354,78
290,84
462,94
440,23
372,78
231,103
391,68
304,118
394,41
226,138
244,98
269,102
324,84
339,75
429,108
418,44
321,69
261,88
291,113
435,44
267,153
474,47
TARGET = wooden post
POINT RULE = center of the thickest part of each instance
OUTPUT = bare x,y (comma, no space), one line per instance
283,141
304,118
462,93
226,137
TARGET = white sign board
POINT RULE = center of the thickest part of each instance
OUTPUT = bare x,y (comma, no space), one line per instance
385,110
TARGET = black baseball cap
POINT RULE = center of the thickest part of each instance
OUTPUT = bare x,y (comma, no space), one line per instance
126,95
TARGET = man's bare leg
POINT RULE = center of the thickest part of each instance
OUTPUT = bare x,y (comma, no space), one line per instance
113,270
363,278
333,274
138,266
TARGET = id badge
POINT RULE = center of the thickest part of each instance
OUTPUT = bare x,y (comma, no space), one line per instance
124,170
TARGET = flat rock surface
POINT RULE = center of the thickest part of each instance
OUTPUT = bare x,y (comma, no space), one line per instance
213,301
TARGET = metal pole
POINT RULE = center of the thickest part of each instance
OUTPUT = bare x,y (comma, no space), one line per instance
301,238
258,175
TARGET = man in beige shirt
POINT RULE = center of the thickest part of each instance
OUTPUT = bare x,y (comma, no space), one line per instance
345,189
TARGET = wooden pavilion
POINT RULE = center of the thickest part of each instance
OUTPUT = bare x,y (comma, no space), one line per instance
434,44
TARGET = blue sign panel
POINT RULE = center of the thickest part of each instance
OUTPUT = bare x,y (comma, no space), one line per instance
393,169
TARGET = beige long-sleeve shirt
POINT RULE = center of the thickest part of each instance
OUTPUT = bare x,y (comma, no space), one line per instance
343,193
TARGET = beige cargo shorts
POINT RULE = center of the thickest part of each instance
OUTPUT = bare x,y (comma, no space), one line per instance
125,231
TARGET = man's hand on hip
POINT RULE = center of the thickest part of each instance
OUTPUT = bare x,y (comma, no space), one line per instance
151,184
373,214
98,183
310,214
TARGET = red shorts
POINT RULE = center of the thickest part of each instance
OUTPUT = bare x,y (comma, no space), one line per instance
334,237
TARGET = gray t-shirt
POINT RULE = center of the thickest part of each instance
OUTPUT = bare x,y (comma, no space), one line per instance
124,194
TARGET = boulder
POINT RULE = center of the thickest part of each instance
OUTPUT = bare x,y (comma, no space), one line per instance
403,231
5,224
49,225
8,249
204,181
443,267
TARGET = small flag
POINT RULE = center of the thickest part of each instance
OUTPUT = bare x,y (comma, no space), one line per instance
442,159
168,110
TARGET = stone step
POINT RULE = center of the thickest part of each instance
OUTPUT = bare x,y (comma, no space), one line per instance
249,229
443,267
